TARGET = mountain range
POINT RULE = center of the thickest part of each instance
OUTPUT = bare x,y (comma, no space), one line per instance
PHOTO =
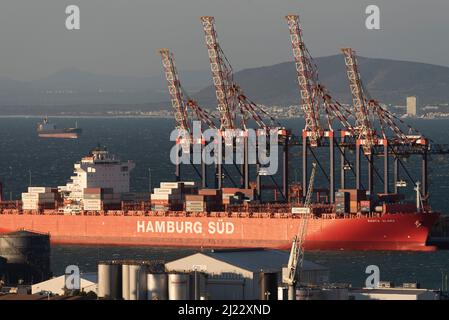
389,81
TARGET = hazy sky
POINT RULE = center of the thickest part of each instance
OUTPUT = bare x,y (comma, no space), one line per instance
122,36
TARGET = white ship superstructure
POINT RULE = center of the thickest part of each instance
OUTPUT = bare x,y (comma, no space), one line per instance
99,169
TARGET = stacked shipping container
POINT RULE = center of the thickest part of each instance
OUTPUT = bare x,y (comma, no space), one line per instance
98,198
39,197
237,195
206,200
171,195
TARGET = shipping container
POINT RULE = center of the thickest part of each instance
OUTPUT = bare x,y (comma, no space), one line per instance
166,197
38,195
192,197
355,194
353,206
209,192
98,190
194,203
171,185
399,208
39,189
300,210
166,191
390,197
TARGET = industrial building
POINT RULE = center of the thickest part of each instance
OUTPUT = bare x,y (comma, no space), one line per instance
56,286
411,106
240,274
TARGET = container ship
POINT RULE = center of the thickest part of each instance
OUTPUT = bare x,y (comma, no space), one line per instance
95,207
45,129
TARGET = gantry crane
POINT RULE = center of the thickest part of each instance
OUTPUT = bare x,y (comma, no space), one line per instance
231,100
296,259
181,104
396,143
315,101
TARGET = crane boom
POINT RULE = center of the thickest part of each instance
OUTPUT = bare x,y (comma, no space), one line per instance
296,258
174,89
305,73
364,127
221,75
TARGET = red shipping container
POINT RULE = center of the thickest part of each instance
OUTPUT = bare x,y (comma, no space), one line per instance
209,192
194,197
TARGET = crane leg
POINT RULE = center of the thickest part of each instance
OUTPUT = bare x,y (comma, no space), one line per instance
370,173
386,177
342,165
395,174
304,164
357,167
285,172
331,168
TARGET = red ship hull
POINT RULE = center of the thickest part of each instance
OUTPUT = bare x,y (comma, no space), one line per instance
68,135
408,231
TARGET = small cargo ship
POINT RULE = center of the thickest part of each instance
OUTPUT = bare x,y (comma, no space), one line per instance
46,129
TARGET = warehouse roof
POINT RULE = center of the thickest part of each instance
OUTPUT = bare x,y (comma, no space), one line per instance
258,260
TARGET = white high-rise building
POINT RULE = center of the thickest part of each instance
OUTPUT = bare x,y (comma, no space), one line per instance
411,106
98,170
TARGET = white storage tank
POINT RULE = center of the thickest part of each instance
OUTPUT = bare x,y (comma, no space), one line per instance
109,280
137,281
157,286
125,281
178,286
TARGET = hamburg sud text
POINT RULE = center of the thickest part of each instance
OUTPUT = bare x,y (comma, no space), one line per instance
185,227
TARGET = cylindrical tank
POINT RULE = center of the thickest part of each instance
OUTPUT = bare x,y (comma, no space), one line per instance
268,285
308,294
198,285
109,280
282,293
178,286
157,286
25,247
125,282
137,282
29,253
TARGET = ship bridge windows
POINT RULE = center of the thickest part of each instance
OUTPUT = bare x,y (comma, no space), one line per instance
124,168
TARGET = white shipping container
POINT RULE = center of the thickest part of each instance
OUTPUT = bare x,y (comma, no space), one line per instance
195,203
92,208
37,202
195,209
39,189
166,191
38,196
170,185
165,197
300,210
91,201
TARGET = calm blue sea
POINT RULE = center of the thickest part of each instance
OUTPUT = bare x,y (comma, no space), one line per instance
49,162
